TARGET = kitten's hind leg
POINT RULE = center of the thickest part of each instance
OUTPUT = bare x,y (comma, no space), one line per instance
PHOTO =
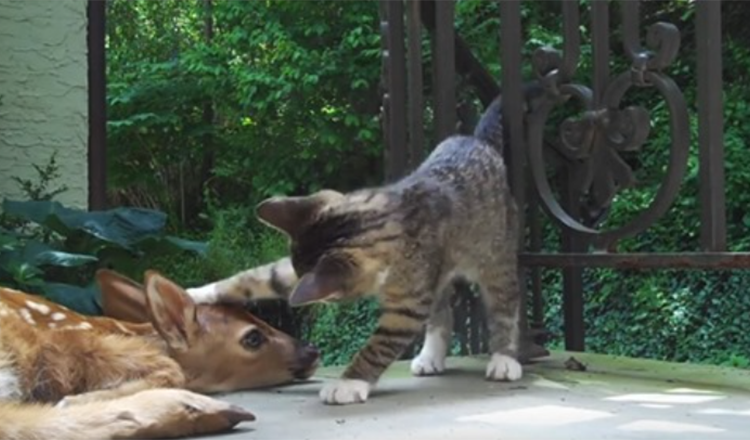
437,340
502,299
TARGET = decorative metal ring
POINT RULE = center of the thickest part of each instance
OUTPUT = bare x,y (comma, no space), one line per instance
679,126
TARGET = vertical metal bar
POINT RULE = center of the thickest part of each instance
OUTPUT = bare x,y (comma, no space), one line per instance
416,115
572,277
396,85
631,26
385,115
513,99
510,37
572,41
600,46
97,148
459,321
444,70
710,126
475,311
535,245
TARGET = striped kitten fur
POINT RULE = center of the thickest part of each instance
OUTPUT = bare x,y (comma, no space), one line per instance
453,216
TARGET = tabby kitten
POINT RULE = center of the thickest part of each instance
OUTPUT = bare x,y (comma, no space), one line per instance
405,242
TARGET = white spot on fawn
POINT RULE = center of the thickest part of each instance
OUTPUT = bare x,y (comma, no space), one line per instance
57,316
83,326
41,308
52,325
26,315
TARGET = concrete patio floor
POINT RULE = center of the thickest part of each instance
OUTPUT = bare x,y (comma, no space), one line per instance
615,398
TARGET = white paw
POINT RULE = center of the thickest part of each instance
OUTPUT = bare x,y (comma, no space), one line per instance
502,367
203,294
345,391
427,364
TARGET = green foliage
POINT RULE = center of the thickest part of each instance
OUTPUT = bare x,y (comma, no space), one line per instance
193,118
54,250
40,189
236,242
341,330
57,250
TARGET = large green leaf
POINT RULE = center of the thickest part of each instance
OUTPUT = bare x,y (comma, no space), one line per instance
121,226
8,240
85,300
168,244
40,254
62,259
33,210
36,253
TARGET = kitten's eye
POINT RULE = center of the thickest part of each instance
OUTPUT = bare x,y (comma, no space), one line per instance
253,339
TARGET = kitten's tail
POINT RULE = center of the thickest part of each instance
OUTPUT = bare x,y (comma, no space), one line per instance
490,126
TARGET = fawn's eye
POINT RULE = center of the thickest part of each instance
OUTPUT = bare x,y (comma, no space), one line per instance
253,339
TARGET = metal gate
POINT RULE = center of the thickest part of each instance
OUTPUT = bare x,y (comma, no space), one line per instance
587,148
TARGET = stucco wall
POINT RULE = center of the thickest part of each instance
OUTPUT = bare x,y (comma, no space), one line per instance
44,93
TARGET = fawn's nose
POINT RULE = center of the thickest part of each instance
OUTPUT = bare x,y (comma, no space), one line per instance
308,357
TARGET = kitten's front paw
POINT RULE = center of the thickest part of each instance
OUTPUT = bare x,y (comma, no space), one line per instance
427,364
502,367
345,391
204,294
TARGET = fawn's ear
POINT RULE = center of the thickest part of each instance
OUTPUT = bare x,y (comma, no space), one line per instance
171,311
122,298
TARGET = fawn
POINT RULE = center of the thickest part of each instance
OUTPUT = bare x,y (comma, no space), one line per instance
112,378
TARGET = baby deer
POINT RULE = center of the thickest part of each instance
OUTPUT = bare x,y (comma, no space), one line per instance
118,379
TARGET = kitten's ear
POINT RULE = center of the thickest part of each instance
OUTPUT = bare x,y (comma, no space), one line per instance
314,287
287,214
291,214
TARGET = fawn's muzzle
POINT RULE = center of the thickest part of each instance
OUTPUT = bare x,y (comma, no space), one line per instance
307,358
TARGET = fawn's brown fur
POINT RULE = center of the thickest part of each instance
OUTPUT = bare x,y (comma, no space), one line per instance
118,379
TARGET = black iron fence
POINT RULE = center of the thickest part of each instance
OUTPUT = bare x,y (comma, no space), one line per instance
587,148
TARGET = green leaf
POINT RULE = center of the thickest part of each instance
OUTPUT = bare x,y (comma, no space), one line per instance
198,247
155,245
39,254
121,226
63,259
85,300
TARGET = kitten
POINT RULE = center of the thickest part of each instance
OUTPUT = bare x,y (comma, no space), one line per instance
453,216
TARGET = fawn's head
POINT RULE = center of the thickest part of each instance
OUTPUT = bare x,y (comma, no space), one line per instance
221,347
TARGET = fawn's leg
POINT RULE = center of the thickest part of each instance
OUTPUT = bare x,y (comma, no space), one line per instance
117,366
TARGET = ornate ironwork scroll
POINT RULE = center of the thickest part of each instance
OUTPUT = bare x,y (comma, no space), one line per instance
593,142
